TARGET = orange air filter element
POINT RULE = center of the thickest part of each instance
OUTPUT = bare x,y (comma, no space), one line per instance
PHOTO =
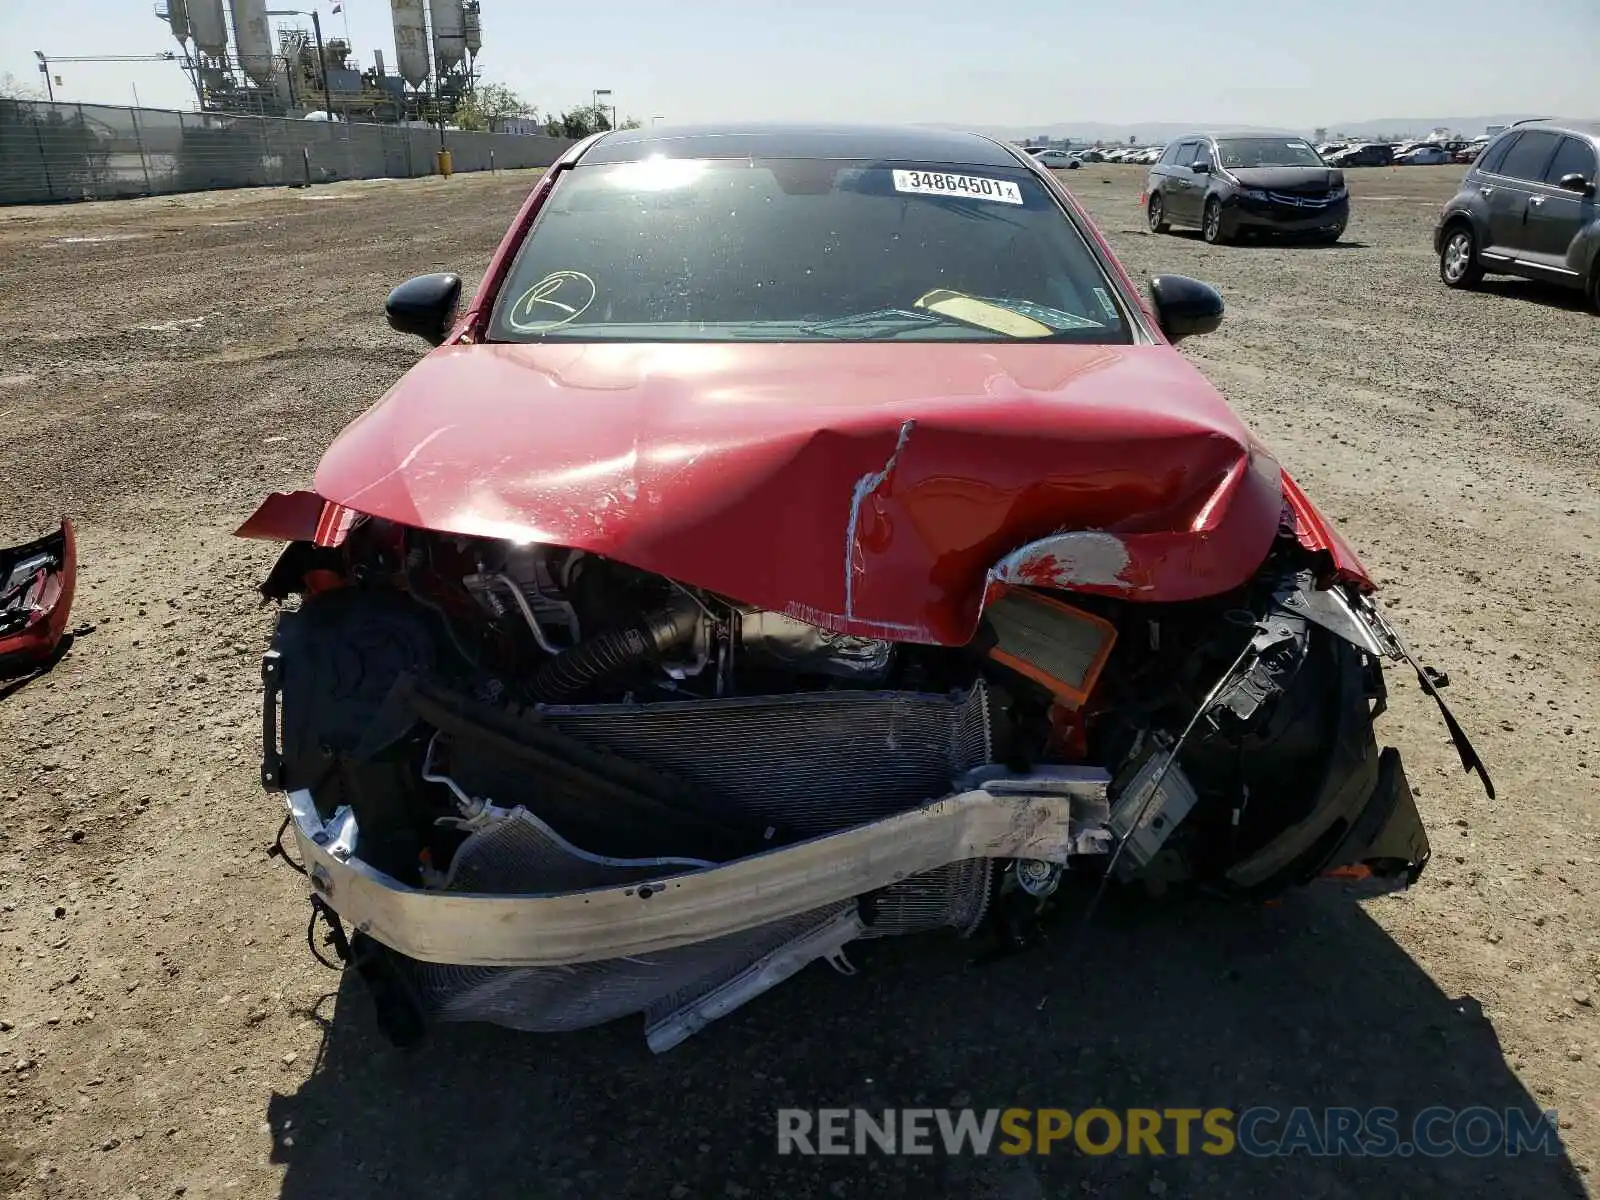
1056,645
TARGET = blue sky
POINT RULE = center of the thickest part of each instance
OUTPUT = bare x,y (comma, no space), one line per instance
1290,63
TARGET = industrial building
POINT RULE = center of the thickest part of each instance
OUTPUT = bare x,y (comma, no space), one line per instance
298,72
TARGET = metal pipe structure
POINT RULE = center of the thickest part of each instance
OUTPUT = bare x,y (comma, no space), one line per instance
45,61
322,65
322,61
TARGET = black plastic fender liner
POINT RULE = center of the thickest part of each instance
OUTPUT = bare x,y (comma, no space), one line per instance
1387,837
332,664
1342,791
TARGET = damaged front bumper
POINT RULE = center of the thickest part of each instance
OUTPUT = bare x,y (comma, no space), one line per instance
681,944
807,810
1045,817
37,581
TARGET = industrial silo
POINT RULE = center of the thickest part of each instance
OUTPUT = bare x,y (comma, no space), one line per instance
449,38
472,23
207,28
178,18
410,41
252,39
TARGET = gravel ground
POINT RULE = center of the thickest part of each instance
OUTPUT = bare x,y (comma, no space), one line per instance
163,1031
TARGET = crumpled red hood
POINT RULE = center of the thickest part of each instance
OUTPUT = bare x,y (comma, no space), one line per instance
869,488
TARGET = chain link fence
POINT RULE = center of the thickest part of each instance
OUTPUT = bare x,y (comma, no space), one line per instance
100,152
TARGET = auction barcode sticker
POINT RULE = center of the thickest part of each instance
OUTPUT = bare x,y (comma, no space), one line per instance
971,187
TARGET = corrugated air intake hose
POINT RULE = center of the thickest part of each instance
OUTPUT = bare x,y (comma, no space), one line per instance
615,650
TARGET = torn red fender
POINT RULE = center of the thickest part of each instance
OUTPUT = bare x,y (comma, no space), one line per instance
298,517
37,582
1314,532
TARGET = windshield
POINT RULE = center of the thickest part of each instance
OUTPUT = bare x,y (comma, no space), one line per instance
801,250
1268,152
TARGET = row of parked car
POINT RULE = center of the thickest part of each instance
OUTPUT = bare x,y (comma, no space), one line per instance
1335,154
1402,154
1072,159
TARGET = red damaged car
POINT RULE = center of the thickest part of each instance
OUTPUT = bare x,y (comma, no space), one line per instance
803,535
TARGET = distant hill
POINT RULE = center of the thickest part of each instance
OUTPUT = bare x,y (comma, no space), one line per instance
1160,131
1105,131
1470,126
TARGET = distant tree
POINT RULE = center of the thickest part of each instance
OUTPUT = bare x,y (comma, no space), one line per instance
490,106
579,122
12,88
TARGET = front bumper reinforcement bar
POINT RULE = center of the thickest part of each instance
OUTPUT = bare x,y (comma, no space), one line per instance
1050,816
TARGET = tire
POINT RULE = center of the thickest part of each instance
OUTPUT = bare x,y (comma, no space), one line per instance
1156,213
1459,265
1594,286
1211,222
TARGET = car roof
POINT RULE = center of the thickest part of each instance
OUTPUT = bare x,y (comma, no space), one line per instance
909,143
1588,129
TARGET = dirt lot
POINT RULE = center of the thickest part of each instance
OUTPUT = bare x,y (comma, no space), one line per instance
163,1031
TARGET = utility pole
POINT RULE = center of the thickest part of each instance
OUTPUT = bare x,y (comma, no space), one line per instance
44,69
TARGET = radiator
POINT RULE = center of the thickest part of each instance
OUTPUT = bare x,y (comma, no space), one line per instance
813,763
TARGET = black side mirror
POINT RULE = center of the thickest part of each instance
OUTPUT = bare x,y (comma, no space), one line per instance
1576,183
1200,168
425,306
1185,307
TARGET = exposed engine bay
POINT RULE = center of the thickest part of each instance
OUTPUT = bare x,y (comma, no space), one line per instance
547,789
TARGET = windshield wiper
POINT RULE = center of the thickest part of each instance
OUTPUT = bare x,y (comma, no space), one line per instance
888,322
883,322
1058,320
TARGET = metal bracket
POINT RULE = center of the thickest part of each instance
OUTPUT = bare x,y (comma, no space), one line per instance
271,689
